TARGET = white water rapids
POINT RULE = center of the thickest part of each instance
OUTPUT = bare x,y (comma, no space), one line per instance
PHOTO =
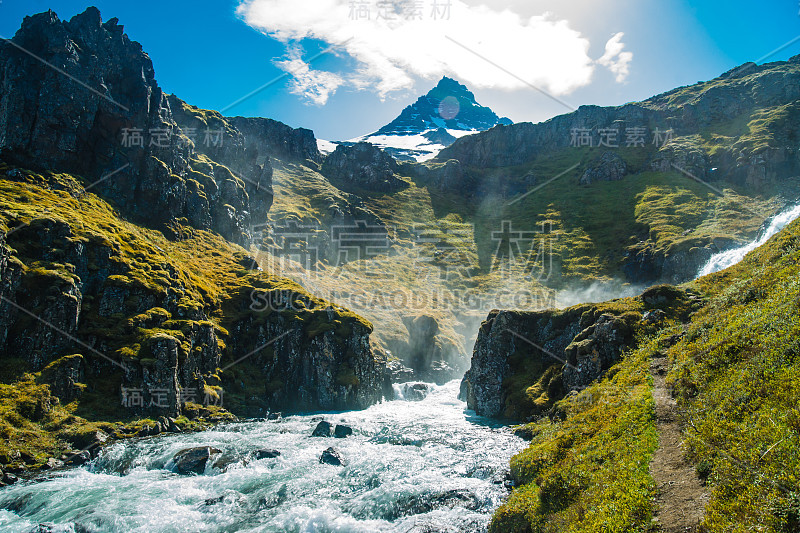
419,466
729,258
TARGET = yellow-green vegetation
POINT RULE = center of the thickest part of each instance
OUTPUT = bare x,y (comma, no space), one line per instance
587,467
200,271
410,278
735,374
589,471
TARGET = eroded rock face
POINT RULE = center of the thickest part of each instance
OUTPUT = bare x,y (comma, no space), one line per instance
115,126
314,359
362,166
608,167
268,137
594,350
560,350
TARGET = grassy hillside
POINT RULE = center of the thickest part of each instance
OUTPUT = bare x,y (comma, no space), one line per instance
734,372
209,275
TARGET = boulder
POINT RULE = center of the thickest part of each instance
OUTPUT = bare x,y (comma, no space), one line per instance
654,316
53,463
415,392
77,458
332,456
323,429
193,460
342,431
266,453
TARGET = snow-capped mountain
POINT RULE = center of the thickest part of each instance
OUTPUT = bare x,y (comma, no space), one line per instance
434,121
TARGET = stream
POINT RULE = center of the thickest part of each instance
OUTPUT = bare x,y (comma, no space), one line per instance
412,466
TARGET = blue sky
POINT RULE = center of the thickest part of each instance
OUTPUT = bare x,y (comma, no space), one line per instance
211,56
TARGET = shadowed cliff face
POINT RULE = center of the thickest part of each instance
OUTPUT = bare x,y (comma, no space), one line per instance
524,362
96,110
144,328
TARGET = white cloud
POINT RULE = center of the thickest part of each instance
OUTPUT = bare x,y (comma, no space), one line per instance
391,53
615,58
316,85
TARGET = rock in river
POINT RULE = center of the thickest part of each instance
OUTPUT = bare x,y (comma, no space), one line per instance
193,460
332,456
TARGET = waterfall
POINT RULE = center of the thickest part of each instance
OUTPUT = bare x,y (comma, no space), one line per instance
729,258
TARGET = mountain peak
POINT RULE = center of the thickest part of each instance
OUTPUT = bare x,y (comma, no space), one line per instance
448,111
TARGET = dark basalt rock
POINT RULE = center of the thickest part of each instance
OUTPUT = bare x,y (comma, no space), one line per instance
399,373
362,166
342,431
337,369
332,456
116,125
608,167
269,137
266,453
66,377
577,345
594,350
323,429
193,460
415,392
77,458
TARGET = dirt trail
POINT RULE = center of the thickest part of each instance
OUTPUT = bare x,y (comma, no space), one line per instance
681,495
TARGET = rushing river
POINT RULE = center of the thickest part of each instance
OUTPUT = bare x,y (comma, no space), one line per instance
412,466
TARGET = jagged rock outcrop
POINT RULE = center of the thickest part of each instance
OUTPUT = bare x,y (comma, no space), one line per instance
607,167
362,166
269,137
525,361
307,357
508,145
440,136
215,137
442,176
594,350
114,125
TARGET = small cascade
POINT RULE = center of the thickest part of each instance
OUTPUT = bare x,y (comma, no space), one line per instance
729,258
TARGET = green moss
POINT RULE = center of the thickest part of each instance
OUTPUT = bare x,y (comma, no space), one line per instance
588,472
347,377
735,374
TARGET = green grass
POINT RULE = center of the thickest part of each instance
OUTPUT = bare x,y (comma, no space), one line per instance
589,471
735,372
735,362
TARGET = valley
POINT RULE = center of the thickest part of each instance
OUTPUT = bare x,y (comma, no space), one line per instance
517,326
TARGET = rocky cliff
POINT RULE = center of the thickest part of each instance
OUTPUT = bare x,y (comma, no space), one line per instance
123,292
362,166
524,362
724,145
138,318
101,114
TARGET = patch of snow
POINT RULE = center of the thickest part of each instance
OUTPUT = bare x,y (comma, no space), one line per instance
326,147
